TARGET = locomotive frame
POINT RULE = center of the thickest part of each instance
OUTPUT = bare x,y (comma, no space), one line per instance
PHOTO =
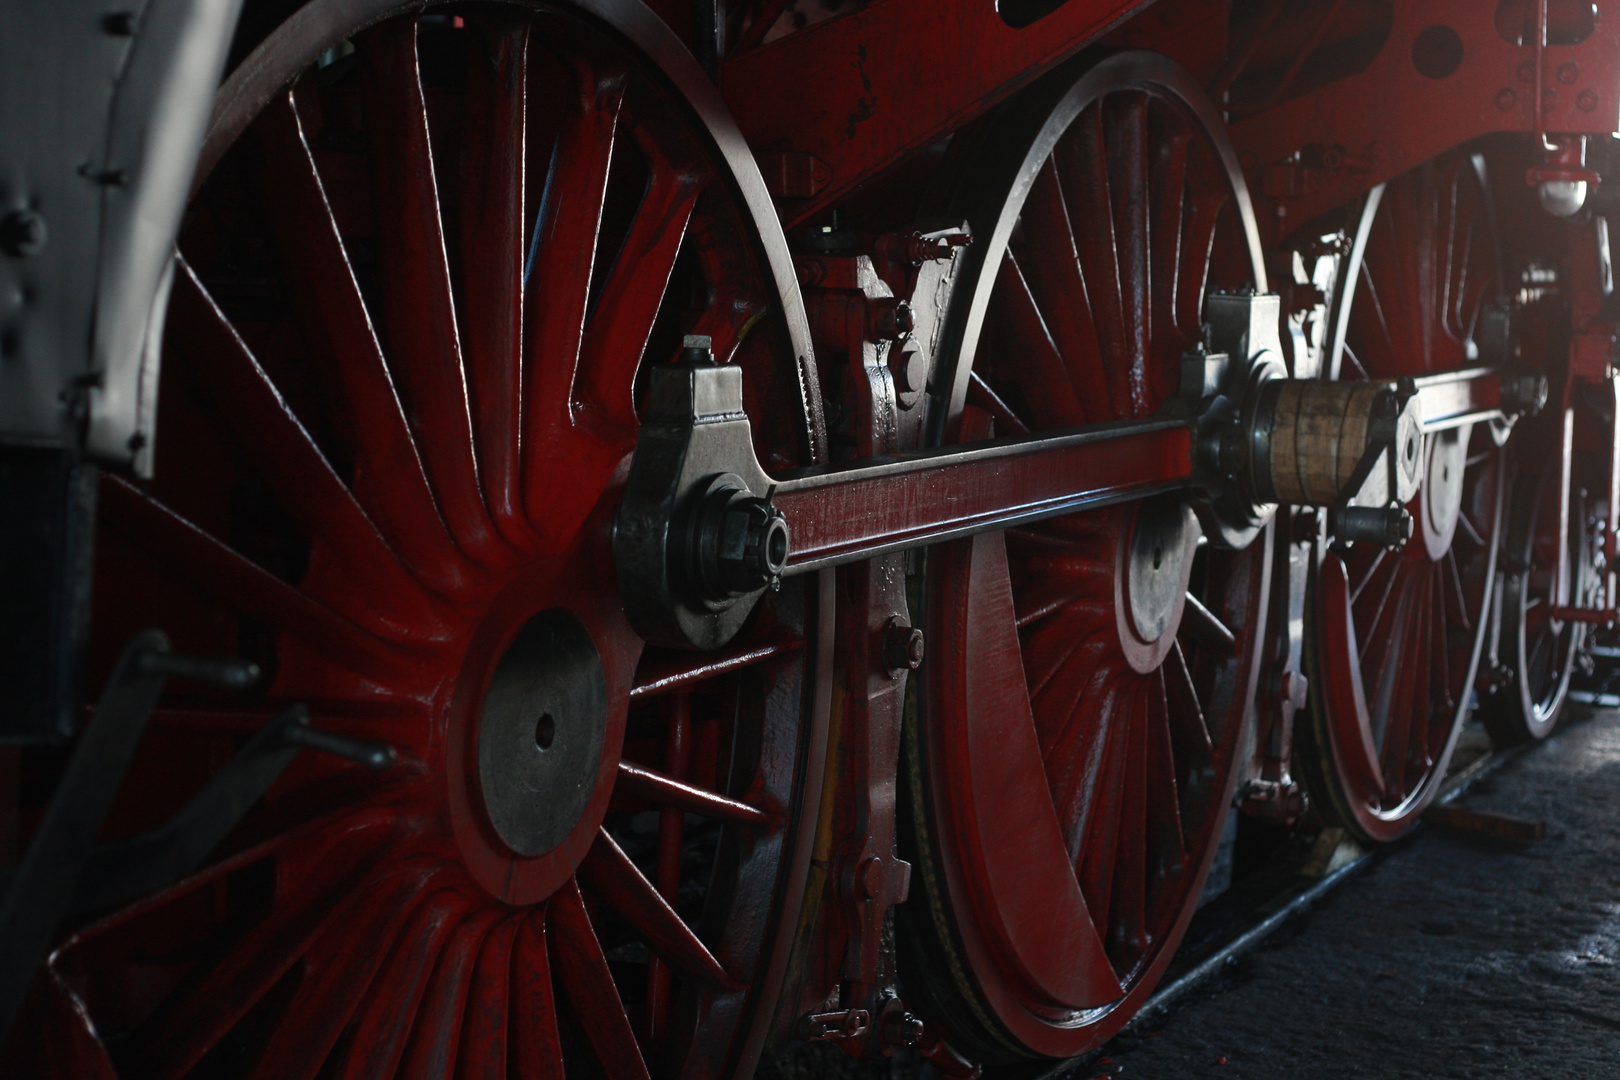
738,532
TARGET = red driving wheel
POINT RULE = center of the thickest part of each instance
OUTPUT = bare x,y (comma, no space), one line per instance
1087,682
1393,637
428,255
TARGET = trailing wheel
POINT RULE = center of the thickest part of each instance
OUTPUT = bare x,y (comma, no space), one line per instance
428,256
1393,637
1077,734
1537,652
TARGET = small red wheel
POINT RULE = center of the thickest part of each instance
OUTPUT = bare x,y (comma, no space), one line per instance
1393,638
428,257
1087,679
1536,652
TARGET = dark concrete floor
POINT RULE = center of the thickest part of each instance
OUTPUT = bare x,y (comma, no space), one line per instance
1450,957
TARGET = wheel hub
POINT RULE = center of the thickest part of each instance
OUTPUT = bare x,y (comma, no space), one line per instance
541,732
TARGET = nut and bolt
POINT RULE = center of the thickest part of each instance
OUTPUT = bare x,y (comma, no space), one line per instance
1568,72
888,318
902,646
22,234
753,546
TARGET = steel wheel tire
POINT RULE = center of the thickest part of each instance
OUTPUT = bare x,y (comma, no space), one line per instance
399,398
1068,773
1393,639
1537,651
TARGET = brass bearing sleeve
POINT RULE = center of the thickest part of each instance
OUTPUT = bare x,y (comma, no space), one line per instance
1318,432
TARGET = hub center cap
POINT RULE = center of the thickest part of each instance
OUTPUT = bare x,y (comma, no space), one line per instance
540,732
1162,545
1443,488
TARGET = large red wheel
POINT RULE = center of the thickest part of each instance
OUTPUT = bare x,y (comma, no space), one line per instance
1393,638
429,255
1088,679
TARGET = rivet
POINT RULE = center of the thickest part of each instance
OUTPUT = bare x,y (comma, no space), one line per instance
1587,101
1506,98
1568,72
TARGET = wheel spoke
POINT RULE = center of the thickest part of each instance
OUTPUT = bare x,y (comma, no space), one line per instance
1189,731
558,278
389,481
583,971
1073,741
1202,625
285,455
1100,844
1168,185
485,1033
194,556
338,974
419,324
493,190
1198,244
384,1028
1052,650
536,1046
249,972
622,322
655,787
436,1030
1127,121
1165,831
1399,680
681,673
1082,159
1041,372
608,872
1127,908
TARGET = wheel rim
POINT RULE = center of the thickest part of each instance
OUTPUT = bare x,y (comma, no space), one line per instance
399,394
1053,685
1538,650
1394,639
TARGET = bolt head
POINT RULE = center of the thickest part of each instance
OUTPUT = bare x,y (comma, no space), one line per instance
903,647
1568,72
22,234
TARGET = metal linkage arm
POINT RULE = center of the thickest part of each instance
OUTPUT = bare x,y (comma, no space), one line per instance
843,514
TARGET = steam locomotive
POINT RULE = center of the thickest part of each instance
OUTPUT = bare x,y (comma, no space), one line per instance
615,538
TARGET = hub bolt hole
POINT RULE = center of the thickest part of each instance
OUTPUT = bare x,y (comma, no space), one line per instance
545,731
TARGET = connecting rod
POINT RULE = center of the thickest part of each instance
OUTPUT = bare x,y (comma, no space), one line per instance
703,531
